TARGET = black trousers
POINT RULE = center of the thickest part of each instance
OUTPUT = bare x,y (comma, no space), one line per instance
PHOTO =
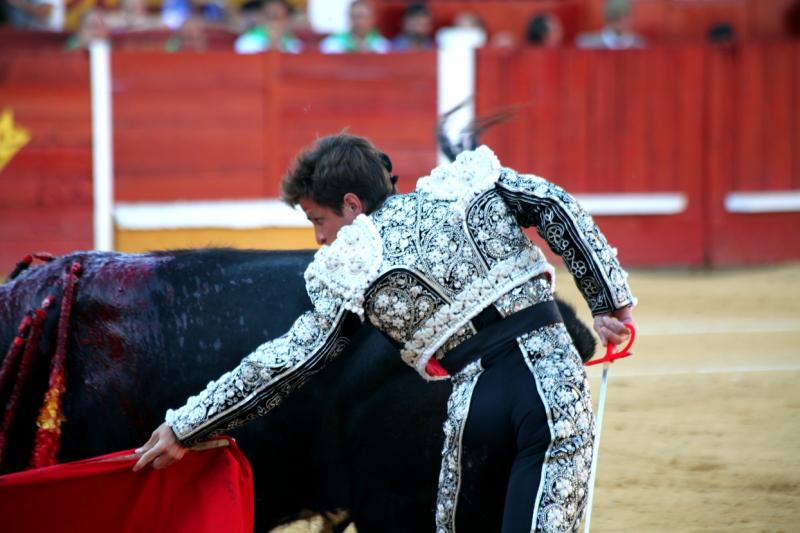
507,434
524,446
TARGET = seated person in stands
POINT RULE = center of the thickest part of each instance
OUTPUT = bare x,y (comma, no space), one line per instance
271,31
176,12
362,37
132,16
34,14
91,27
721,34
617,34
467,29
417,31
544,29
190,36
468,19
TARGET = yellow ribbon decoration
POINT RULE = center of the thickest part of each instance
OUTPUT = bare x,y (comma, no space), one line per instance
50,416
12,138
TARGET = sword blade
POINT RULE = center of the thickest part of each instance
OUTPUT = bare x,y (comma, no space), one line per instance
601,401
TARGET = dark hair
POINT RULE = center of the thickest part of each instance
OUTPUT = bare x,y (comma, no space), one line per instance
721,33
537,30
334,166
416,9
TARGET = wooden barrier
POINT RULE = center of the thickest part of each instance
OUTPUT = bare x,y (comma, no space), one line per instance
753,153
46,200
697,129
704,123
608,122
219,125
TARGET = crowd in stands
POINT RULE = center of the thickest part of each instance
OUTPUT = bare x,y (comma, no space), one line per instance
294,26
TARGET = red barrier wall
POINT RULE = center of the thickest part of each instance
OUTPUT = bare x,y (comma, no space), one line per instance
704,122
753,145
226,126
606,122
689,120
46,199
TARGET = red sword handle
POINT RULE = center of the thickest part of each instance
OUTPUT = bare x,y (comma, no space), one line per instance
611,354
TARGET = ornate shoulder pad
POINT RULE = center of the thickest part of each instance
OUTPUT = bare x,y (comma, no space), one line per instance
472,173
341,272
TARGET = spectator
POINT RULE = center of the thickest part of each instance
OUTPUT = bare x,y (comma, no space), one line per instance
328,16
468,19
417,29
272,32
362,37
92,26
616,35
96,23
249,14
190,36
544,29
36,14
721,34
132,15
467,31
176,12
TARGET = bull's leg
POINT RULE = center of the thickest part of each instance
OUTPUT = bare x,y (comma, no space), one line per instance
580,333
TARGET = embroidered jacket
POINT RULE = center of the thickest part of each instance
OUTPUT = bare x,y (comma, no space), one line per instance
420,268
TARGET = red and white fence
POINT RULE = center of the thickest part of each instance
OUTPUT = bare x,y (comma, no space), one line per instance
686,155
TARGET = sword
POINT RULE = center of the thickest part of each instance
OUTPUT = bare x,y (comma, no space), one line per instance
609,358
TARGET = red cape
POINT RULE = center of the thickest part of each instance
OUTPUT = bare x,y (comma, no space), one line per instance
210,490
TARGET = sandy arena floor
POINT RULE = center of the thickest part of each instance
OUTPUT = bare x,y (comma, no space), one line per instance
702,425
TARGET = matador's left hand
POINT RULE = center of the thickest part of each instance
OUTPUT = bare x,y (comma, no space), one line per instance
610,327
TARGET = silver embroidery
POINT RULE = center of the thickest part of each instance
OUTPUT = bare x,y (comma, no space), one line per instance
529,293
495,231
564,389
458,182
446,249
399,302
455,280
336,281
570,232
261,380
450,473
341,272
441,255
448,319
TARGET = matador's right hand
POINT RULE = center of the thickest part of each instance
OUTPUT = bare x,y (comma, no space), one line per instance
161,450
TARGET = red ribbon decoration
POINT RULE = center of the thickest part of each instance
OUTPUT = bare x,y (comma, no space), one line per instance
51,414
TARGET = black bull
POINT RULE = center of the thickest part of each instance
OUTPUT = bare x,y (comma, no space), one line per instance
147,331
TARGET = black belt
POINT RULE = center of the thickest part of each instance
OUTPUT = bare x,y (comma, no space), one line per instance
493,331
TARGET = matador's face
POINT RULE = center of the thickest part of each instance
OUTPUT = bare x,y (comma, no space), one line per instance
326,221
